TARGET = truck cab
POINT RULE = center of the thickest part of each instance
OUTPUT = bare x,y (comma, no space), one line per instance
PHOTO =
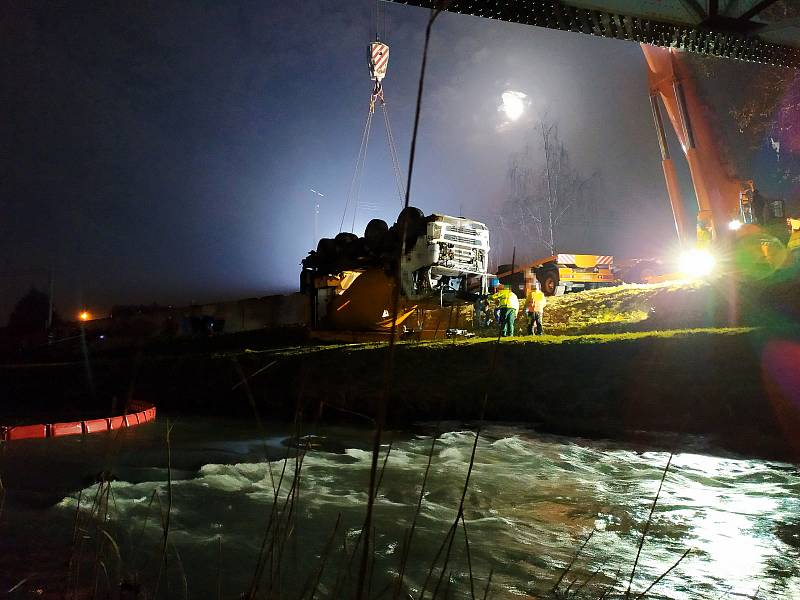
450,258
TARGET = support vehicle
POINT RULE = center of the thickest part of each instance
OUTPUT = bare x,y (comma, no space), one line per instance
561,273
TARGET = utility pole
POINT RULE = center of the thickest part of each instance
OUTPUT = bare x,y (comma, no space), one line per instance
316,217
316,226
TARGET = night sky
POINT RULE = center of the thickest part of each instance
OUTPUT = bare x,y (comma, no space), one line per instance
165,151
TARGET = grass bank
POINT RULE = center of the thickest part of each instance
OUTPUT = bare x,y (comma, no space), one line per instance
707,381
688,357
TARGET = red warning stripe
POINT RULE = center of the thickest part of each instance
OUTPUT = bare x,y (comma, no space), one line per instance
144,414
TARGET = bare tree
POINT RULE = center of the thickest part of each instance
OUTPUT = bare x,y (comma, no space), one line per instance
545,194
754,110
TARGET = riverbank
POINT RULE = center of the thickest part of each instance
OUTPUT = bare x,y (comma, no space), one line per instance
730,383
677,357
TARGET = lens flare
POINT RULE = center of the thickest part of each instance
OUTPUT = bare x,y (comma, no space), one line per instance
759,254
513,104
697,263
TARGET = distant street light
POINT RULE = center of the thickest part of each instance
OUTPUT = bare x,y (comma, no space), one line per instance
85,315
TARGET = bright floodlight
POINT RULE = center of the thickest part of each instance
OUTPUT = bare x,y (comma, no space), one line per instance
735,225
513,104
697,263
85,316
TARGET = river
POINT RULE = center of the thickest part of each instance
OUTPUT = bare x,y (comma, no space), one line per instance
531,502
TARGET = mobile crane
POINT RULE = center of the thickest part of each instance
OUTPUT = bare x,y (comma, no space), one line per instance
730,212
730,209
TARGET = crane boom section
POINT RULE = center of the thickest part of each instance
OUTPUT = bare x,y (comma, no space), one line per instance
716,190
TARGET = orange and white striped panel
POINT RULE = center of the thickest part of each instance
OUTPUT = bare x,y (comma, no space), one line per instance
378,60
566,259
584,260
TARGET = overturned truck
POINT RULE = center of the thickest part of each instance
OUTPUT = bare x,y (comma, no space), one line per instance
437,261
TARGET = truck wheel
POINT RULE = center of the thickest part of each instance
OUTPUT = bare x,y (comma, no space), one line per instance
549,282
326,249
345,238
376,233
345,244
411,214
641,272
410,221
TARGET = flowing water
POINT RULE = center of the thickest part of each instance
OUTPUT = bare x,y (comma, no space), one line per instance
531,502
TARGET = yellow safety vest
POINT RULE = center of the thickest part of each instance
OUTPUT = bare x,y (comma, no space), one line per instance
704,238
794,241
505,299
536,301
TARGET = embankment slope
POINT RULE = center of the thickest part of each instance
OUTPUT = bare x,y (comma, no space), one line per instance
711,372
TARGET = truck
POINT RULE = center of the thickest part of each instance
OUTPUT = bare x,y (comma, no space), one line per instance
560,273
436,260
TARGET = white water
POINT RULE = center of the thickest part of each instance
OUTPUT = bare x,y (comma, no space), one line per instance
531,501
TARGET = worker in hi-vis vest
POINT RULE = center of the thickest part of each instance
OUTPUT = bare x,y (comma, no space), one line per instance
704,234
508,303
794,238
535,304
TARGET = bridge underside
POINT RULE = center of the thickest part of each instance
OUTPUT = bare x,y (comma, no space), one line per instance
760,31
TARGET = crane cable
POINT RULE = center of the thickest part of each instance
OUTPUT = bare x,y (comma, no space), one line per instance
361,169
355,182
398,171
379,55
378,92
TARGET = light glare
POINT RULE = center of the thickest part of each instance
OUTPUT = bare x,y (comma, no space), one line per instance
735,225
697,263
513,104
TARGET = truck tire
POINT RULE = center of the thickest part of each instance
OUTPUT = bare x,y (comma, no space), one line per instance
549,281
640,272
326,249
345,238
346,248
410,221
375,233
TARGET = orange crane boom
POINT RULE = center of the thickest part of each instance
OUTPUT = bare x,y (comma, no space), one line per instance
716,189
